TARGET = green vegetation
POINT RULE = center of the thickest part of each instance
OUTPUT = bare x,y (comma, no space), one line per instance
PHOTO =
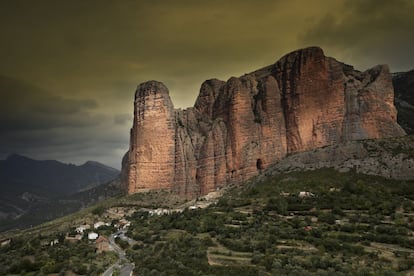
35,256
348,223
355,224
394,146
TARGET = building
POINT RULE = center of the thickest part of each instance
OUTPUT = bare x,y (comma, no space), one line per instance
92,236
100,223
75,238
53,242
305,194
82,228
102,244
5,242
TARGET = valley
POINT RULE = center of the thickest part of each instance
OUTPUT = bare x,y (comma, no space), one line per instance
35,191
315,222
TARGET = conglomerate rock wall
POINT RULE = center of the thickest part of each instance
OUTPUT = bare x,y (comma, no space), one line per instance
240,127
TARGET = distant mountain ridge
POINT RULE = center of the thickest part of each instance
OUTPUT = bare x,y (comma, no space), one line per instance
403,83
27,183
54,176
48,209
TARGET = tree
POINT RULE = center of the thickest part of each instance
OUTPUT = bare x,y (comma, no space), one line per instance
278,204
98,210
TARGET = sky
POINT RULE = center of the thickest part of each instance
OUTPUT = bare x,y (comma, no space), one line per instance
69,69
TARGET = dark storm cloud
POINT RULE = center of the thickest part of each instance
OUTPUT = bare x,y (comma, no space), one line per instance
121,119
83,44
88,56
36,123
25,106
58,105
368,32
68,144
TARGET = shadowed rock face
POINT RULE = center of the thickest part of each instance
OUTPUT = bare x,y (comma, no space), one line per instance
404,99
240,127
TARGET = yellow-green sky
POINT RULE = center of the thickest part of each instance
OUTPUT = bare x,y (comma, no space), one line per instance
68,69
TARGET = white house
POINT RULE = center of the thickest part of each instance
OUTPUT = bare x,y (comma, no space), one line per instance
159,212
82,228
93,236
100,223
5,242
55,241
306,194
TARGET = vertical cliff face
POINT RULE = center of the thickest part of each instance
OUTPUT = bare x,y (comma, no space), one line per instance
240,127
151,158
253,124
312,98
369,102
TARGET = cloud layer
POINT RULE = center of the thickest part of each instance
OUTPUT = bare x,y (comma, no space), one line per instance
367,32
72,66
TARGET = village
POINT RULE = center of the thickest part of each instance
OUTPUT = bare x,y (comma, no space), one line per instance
106,230
114,222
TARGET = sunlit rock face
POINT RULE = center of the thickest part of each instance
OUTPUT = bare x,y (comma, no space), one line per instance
327,102
151,158
240,127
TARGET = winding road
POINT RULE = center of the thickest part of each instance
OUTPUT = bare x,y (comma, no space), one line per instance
123,265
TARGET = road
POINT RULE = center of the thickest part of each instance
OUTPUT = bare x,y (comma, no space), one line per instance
121,235
126,269
123,265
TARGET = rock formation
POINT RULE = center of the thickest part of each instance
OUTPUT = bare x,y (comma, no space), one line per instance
391,158
240,127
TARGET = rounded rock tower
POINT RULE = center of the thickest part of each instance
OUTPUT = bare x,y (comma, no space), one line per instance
152,145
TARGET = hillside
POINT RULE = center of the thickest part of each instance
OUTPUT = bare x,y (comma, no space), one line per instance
49,209
53,178
391,158
344,223
296,217
338,210
348,223
29,186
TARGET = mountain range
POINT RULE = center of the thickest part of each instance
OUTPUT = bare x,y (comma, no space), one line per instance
28,185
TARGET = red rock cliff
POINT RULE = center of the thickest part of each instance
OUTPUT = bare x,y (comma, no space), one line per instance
151,156
240,127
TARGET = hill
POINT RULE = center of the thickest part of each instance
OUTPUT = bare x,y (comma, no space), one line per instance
28,185
319,222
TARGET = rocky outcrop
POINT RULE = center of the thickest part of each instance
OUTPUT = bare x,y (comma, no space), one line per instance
238,128
151,158
391,158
